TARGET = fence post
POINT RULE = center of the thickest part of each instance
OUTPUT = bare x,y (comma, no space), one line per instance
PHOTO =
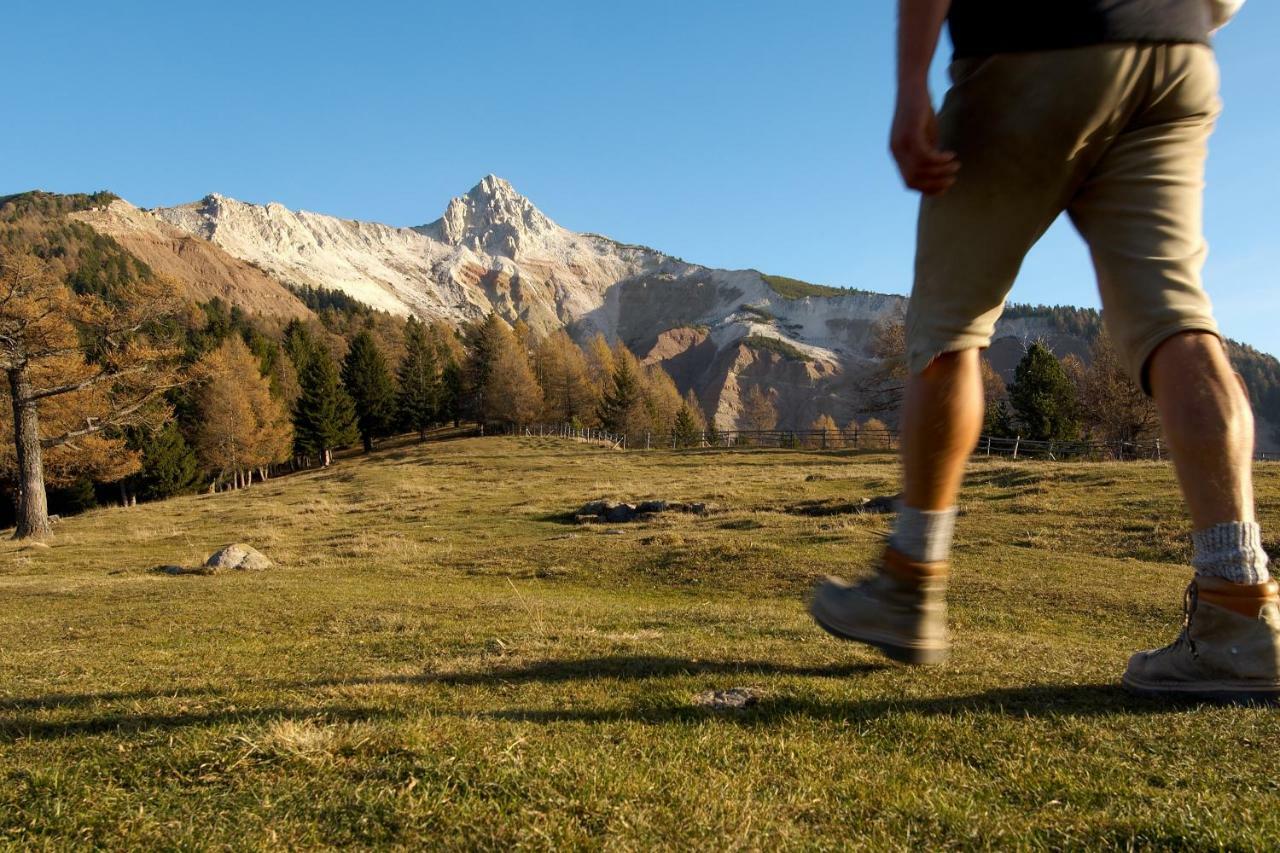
1158,456
646,439
988,445
857,433
1017,441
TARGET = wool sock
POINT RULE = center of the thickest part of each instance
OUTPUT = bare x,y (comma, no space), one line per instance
923,535
1231,551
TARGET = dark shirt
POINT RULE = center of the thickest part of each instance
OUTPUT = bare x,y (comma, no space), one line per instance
983,27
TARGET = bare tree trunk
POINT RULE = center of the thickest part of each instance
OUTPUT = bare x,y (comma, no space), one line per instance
33,503
326,456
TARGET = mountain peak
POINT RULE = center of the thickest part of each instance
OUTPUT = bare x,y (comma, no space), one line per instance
492,218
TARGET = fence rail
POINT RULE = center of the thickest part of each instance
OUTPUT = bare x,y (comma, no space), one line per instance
868,439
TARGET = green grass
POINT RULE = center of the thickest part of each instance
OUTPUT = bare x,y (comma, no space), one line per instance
781,347
794,288
439,660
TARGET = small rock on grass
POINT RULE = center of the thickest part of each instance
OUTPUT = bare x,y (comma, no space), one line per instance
734,699
238,556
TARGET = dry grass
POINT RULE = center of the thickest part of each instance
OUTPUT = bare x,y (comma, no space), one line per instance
439,660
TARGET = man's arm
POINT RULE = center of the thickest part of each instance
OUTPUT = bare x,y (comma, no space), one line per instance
914,138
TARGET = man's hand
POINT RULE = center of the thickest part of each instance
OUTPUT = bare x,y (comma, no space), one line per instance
914,143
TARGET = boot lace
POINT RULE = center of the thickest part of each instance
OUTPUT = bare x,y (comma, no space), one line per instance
1189,600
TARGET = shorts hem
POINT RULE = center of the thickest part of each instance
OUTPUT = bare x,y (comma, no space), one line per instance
920,359
1139,364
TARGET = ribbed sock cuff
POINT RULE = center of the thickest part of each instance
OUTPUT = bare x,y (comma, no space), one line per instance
1231,551
923,536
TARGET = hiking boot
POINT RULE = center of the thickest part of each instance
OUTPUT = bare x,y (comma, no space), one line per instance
1228,651
901,609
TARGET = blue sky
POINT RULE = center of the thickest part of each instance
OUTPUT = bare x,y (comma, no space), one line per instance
735,133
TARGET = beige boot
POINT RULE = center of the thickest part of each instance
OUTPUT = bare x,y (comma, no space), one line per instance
901,610
1228,651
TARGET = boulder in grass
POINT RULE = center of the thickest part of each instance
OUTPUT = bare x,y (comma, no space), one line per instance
735,699
240,557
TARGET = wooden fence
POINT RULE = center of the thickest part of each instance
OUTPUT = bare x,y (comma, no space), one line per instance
869,439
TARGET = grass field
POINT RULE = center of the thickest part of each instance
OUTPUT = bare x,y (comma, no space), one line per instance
439,659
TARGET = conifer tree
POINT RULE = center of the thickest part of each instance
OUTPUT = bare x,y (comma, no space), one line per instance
484,339
453,390
570,396
80,365
996,420
686,433
324,418
169,465
828,433
367,380
511,394
299,343
758,412
695,410
662,400
1043,397
420,381
599,358
242,427
623,395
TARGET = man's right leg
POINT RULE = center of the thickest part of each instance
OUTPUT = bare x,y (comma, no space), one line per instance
1209,426
1230,645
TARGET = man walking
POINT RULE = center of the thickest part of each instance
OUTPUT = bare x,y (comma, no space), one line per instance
1102,109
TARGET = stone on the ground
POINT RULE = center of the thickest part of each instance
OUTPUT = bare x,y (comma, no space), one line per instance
734,699
238,556
612,512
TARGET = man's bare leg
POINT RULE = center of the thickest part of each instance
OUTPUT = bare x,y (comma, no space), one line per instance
1209,426
941,421
902,608
1229,647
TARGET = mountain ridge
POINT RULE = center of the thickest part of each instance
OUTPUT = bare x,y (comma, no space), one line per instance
494,250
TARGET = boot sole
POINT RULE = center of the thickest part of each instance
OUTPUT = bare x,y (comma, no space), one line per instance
892,647
1225,692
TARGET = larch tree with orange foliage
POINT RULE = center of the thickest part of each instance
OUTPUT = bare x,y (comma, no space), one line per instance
79,367
243,426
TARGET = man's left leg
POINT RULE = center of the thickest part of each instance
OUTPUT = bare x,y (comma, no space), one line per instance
902,609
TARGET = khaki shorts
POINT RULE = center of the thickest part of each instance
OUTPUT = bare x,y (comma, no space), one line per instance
1116,136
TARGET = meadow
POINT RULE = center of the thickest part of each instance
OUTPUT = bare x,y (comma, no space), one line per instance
441,657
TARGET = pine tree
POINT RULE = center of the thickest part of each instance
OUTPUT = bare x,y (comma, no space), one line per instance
420,381
169,465
453,390
714,438
484,340
695,410
299,344
686,433
324,418
365,375
621,397
451,355
1043,398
